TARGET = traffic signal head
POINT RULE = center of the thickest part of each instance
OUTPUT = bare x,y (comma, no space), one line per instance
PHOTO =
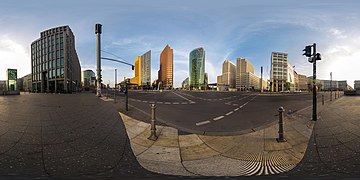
132,67
307,51
317,56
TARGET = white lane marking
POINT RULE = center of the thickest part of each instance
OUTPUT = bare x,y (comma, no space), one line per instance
191,102
138,100
229,113
218,118
182,97
176,103
151,102
167,103
236,109
144,101
184,103
202,123
235,104
241,106
159,102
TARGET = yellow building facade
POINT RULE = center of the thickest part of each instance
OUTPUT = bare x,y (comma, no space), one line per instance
137,79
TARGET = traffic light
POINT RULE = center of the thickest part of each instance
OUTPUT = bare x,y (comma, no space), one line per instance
317,56
307,50
132,67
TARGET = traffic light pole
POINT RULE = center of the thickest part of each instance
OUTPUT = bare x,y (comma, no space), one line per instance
314,114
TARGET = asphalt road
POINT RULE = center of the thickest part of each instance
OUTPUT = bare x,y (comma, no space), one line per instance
216,113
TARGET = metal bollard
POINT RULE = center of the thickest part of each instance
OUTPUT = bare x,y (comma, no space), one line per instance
322,99
281,125
153,135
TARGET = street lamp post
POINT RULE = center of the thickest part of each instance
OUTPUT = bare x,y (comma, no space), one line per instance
98,59
330,86
115,86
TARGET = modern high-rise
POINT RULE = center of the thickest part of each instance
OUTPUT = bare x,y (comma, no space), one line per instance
279,71
55,64
197,68
88,79
244,75
166,67
145,65
228,77
137,79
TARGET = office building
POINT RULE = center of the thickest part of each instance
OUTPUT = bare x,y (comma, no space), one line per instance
357,85
185,84
137,67
88,80
165,74
197,69
303,83
25,83
279,71
55,65
244,75
146,69
227,80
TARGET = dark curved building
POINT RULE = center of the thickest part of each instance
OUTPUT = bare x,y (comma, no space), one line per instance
197,69
55,64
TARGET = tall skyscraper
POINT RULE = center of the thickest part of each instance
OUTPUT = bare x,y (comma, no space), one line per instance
145,65
279,71
137,79
244,75
166,67
228,77
197,68
88,80
55,65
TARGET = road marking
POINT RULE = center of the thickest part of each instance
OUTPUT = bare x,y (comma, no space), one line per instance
138,100
191,102
236,109
159,102
241,106
202,123
167,103
218,118
176,103
184,103
144,101
151,102
182,97
235,104
229,113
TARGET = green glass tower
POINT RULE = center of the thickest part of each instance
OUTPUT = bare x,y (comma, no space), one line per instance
197,68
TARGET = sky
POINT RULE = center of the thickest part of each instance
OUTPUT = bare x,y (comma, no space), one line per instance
226,29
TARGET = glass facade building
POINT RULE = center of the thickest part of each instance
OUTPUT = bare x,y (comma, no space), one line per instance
55,65
197,69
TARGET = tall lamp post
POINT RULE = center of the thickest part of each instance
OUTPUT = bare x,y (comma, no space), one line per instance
330,86
98,59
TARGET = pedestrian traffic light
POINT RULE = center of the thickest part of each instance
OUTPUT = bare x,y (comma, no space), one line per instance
307,52
132,67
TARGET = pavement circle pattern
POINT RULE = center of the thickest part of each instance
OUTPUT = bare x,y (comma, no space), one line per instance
255,153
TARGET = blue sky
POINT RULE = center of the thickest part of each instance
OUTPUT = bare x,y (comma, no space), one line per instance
227,29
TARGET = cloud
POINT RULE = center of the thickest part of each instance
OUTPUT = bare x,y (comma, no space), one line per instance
13,55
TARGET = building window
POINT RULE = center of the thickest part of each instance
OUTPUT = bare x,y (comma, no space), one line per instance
62,61
57,72
62,72
62,53
61,45
57,54
53,73
58,62
53,63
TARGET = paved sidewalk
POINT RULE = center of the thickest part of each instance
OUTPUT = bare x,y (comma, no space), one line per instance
334,147
63,136
256,153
